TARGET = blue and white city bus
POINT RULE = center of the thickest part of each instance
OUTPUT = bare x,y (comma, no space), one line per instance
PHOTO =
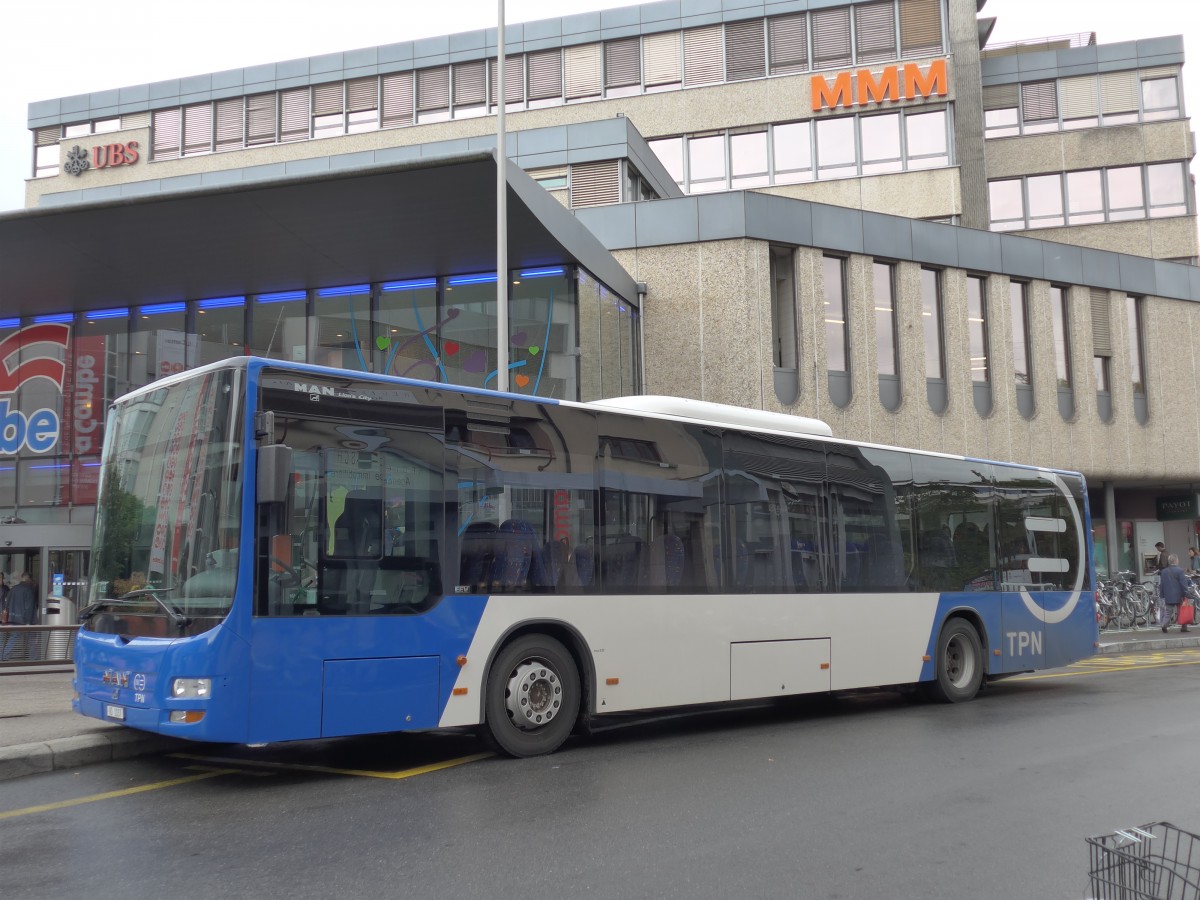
285,552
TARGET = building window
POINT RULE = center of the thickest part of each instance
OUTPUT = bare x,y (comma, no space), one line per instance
1045,200
1060,316
836,157
159,343
343,327
793,152
977,328
1091,196
1160,99
748,160
328,110
406,322
783,309
1018,295
220,327
279,326
926,144
931,322
881,144
1133,315
706,163
883,276
1002,122
837,348
1103,385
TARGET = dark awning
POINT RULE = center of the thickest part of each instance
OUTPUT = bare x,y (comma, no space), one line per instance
411,220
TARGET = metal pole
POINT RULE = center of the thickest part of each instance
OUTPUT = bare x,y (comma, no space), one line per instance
501,214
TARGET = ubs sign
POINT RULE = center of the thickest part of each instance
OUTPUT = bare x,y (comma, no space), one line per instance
102,156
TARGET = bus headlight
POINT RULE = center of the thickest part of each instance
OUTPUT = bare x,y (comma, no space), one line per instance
191,687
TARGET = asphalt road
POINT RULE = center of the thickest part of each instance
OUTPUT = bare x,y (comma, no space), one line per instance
874,796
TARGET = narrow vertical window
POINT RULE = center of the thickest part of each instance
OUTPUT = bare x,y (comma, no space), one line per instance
1062,337
931,322
885,318
784,334
1018,293
837,351
1133,311
883,277
977,328
1018,303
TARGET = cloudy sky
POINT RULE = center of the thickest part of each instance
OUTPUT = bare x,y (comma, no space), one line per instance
75,47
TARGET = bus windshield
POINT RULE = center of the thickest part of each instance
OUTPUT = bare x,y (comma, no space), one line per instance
164,553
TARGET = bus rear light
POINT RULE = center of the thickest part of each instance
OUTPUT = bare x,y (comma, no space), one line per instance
186,716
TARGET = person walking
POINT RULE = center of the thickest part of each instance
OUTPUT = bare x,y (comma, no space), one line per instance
20,608
1193,561
1160,562
1173,586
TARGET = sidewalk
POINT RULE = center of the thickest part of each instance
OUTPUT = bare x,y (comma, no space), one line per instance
40,733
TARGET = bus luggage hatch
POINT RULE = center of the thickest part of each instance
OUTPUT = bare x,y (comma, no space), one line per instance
365,696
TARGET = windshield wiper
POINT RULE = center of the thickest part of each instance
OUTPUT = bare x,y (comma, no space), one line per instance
174,613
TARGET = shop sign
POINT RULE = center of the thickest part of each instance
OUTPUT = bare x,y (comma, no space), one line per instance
1174,508
893,84
28,356
102,156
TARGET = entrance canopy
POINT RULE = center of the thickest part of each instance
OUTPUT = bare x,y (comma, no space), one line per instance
411,220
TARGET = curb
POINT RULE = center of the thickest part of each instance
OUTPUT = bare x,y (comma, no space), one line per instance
1166,642
80,750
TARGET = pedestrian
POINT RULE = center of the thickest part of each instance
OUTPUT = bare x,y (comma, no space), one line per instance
1193,560
1160,562
20,608
3,590
1173,586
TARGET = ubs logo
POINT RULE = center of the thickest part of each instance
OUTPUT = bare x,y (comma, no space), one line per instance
103,156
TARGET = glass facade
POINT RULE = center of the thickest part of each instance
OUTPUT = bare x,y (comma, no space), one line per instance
570,337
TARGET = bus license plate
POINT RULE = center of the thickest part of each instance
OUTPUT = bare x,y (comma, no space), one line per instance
114,712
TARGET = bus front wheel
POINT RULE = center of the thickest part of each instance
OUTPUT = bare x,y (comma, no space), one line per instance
532,697
959,663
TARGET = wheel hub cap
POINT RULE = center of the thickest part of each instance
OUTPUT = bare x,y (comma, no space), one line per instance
533,696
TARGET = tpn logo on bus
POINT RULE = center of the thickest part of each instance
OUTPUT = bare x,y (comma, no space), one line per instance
39,431
103,156
893,84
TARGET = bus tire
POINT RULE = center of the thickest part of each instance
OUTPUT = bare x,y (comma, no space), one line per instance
959,663
533,695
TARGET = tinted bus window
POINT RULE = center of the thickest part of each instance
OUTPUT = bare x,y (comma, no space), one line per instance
870,492
659,523
953,500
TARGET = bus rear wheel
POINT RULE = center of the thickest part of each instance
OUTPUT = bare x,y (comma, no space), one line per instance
532,697
959,663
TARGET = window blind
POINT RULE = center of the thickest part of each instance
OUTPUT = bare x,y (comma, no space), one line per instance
166,133
583,66
293,115
197,128
1039,100
260,119
920,27
875,32
702,62
433,89
327,99
1101,323
1119,92
470,83
595,184
231,119
622,62
397,99
45,136
831,37
1001,96
545,74
362,94
514,79
1078,97
745,50
662,59
788,40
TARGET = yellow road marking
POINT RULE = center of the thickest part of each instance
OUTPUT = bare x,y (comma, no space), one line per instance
109,795
330,770
1098,665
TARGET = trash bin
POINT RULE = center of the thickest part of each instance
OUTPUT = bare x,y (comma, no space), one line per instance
60,611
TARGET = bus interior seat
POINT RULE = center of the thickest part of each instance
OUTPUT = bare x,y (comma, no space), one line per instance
623,561
477,558
585,564
518,548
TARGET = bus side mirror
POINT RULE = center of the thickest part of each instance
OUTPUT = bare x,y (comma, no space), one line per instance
274,473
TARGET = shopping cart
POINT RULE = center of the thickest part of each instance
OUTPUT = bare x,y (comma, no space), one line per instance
1152,862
